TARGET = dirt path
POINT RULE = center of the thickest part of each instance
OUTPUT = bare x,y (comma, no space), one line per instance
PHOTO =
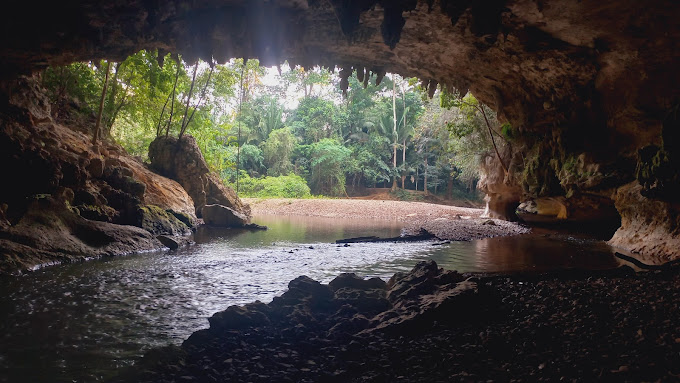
446,222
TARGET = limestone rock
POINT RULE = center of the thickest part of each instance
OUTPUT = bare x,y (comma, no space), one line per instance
183,162
584,211
218,215
158,221
50,232
578,83
553,209
53,161
649,228
96,167
502,194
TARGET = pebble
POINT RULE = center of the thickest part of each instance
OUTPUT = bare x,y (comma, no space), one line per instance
546,328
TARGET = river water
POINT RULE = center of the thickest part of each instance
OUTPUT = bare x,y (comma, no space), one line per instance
82,322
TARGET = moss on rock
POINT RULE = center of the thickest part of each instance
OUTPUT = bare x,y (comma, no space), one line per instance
158,221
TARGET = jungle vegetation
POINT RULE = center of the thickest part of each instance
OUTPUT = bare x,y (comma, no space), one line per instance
291,132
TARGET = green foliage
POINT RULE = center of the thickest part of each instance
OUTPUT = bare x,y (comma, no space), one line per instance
315,119
278,150
322,139
507,132
328,163
290,186
77,81
252,159
406,195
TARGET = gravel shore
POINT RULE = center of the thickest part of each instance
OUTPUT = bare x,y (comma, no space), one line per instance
438,326
446,222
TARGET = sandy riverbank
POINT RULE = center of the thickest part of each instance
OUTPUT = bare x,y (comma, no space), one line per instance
446,222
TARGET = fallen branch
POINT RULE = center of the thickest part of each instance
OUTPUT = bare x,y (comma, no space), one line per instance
423,235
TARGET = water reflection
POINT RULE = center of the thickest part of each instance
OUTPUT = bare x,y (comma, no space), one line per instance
82,322
292,230
536,253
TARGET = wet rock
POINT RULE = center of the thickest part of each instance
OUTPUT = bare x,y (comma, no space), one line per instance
352,281
158,221
240,317
168,242
183,217
254,226
219,215
50,232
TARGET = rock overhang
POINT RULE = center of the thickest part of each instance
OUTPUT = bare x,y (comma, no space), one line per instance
534,62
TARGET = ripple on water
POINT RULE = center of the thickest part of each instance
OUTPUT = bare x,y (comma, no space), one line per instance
82,322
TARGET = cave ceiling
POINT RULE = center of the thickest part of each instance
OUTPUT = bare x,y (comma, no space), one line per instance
606,64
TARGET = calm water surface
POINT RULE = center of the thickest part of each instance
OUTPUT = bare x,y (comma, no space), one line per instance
82,322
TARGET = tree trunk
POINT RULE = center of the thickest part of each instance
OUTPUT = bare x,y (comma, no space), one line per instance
394,133
160,119
403,153
174,89
112,92
449,187
186,110
416,178
95,137
403,163
200,100
425,179
114,115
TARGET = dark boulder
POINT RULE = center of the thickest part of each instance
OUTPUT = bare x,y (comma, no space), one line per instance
219,215
183,161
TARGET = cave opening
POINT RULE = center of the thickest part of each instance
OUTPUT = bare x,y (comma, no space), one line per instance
577,111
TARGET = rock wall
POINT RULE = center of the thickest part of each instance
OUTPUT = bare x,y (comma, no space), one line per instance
503,194
585,85
64,199
649,228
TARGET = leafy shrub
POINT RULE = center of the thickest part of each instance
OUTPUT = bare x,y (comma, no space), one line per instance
290,186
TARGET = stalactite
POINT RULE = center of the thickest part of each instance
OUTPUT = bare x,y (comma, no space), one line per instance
380,74
344,79
432,88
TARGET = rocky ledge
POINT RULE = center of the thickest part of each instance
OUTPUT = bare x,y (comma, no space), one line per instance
432,325
67,199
